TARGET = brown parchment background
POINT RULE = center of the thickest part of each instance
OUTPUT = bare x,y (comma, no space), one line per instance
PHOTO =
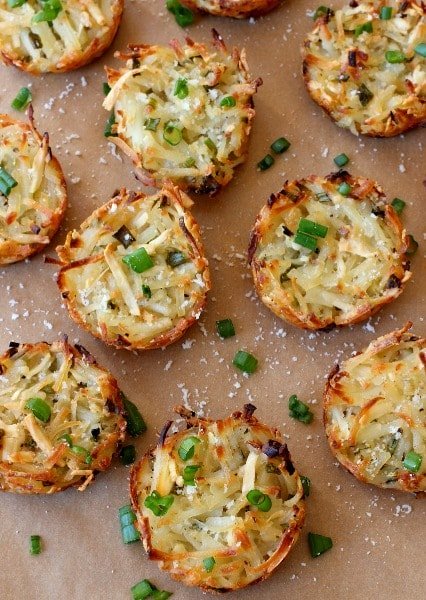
379,536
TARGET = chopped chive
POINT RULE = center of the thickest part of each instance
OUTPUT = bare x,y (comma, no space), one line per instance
108,126
15,3
189,474
211,145
266,162
412,461
312,228
386,13
51,9
139,260
124,236
245,361
420,49
341,160
146,290
134,420
7,182
320,12
228,102
398,205
395,57
159,505
39,408
83,453
305,240
280,145
208,564
181,88
306,483
344,189
35,544
364,94
176,258
318,544
106,88
183,15
65,437
323,197
259,500
172,134
365,27
412,245
299,410
23,97
128,454
151,124
142,590
186,449
225,328
127,518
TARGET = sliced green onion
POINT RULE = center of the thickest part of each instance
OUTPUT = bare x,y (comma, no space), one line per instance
176,258
412,461
23,97
307,241
15,3
39,408
208,564
189,474
398,205
228,102
318,544
35,544
225,328
159,505
211,145
341,160
245,361
312,228
172,134
128,454
386,13
181,88
146,290
142,590
151,124
266,162
365,27
259,500
108,126
186,449
320,12
364,94
420,49
127,518
299,410
344,189
306,483
7,182
395,57
280,145
135,423
106,88
83,453
51,9
65,437
183,15
139,260
412,245
160,595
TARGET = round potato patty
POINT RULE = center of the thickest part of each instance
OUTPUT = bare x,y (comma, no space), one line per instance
183,113
367,68
375,412
33,196
60,418
219,504
328,251
56,35
238,9
135,274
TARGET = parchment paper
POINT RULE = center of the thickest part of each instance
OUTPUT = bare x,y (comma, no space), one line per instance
379,536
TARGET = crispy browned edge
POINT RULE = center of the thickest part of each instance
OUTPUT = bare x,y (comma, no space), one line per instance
10,251
289,536
237,9
191,230
209,184
398,121
408,482
70,62
279,203
22,482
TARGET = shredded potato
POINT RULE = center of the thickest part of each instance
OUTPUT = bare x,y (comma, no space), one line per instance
238,9
125,308
85,405
375,411
213,518
358,266
32,212
348,75
211,139
82,31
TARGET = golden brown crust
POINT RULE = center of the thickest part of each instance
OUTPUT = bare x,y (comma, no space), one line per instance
237,9
27,227
133,320
337,63
237,445
374,406
85,49
34,458
306,288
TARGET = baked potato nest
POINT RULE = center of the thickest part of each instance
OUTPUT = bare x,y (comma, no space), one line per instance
182,113
237,9
32,212
211,517
127,308
347,73
84,428
374,411
358,267
82,31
